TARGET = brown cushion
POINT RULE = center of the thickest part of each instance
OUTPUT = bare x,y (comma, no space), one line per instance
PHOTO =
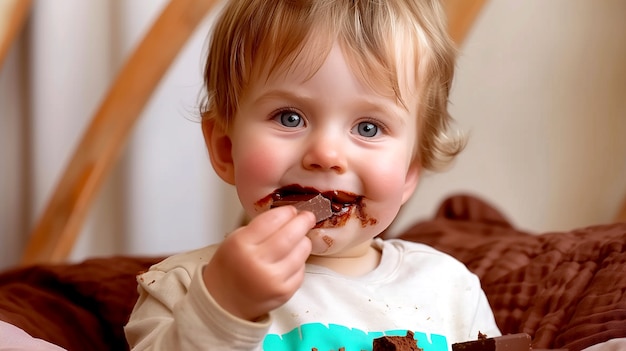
565,289
76,306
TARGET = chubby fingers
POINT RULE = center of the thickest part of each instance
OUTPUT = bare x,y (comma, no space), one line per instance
260,266
282,232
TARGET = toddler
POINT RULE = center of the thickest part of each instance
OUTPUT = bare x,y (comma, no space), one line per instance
343,98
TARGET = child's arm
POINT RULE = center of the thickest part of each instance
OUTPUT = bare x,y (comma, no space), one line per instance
259,267
256,269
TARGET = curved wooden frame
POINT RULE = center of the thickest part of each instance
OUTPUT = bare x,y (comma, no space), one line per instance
13,15
461,16
56,232
54,235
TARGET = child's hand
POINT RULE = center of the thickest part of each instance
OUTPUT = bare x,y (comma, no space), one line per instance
260,266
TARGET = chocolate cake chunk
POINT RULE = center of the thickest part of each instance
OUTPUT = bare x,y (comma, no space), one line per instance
318,204
511,342
396,343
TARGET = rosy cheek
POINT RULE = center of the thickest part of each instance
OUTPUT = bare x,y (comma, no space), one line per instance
257,172
256,162
386,182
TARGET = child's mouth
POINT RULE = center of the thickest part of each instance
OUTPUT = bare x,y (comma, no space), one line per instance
340,203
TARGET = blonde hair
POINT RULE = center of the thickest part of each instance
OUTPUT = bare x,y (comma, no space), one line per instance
255,37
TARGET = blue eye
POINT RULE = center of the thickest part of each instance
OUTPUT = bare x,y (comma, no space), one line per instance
289,119
366,129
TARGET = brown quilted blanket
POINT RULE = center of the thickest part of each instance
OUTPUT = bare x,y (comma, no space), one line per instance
80,307
564,289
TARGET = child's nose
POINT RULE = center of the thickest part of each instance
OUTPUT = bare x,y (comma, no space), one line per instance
325,153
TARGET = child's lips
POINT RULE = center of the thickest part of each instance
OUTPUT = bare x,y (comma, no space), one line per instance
314,200
344,205
340,200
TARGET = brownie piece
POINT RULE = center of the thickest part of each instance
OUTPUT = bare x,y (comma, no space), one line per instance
396,343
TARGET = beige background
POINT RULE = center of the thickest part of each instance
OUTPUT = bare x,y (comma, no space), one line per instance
541,89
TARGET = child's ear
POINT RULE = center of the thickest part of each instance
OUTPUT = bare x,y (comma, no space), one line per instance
411,180
220,146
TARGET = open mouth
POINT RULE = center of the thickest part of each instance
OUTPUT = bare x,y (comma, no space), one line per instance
328,206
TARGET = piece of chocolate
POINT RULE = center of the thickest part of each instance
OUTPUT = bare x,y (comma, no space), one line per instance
318,204
396,343
511,342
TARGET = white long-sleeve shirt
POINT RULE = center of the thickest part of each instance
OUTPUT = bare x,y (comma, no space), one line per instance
413,288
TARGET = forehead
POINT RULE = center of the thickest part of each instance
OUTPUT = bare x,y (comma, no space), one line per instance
332,88
392,75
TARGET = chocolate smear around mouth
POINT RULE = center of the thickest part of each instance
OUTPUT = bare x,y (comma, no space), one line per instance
342,204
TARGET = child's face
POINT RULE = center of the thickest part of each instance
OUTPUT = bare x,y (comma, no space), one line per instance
330,133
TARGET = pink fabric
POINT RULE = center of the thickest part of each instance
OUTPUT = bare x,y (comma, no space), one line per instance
13,338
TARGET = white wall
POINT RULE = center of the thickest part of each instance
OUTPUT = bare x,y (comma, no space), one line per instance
163,190
163,197
70,65
541,87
